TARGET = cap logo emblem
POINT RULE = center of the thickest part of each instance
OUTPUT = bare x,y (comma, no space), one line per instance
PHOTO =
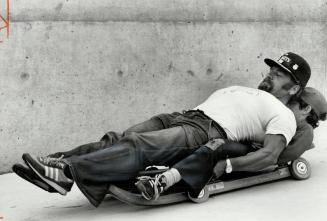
284,58
295,67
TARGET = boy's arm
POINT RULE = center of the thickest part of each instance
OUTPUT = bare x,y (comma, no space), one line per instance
301,142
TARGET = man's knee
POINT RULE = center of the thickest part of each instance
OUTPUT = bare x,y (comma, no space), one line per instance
152,124
126,133
111,137
130,137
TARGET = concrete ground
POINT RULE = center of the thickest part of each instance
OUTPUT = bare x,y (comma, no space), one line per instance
282,200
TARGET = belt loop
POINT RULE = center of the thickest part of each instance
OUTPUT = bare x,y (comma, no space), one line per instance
209,132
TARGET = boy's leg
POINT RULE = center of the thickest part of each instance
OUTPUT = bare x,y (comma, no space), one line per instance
196,169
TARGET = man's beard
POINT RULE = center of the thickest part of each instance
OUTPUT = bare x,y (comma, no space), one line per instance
266,85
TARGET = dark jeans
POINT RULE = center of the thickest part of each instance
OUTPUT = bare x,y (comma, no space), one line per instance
93,172
94,166
196,169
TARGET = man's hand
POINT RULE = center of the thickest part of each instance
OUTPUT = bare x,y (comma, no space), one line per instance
219,169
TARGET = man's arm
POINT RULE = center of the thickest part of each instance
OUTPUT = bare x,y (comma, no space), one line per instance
260,159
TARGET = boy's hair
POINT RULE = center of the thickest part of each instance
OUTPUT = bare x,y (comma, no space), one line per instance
313,118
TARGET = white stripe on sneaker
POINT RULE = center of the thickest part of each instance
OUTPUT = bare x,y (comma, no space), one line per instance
57,174
46,171
60,189
51,172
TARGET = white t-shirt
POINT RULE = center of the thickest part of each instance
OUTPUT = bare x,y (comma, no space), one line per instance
249,114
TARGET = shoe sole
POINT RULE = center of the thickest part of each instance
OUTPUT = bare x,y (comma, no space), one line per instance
142,189
61,190
27,174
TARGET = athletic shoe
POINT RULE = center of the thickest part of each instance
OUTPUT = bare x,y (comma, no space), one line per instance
27,174
50,170
150,187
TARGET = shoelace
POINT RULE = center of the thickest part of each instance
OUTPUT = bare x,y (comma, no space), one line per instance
158,183
155,183
155,180
55,162
158,186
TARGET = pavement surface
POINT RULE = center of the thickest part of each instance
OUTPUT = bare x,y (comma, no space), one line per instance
282,200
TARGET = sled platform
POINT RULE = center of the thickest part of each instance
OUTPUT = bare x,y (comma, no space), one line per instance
298,169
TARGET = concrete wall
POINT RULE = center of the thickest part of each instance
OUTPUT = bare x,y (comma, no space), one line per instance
72,70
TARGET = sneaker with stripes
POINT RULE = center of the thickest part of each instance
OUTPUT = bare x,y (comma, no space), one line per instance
50,170
150,187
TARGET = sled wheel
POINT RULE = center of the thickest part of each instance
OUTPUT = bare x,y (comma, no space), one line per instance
300,169
202,197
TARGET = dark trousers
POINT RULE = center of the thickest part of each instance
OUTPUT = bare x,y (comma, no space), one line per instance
158,141
93,172
94,166
196,169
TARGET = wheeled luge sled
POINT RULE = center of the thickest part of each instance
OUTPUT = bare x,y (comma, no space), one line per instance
298,169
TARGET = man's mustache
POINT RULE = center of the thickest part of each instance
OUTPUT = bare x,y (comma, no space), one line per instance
267,80
266,84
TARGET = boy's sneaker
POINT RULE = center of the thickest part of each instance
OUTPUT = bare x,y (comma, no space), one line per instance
150,187
50,170
27,174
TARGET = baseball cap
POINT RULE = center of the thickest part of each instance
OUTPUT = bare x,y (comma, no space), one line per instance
295,65
316,100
